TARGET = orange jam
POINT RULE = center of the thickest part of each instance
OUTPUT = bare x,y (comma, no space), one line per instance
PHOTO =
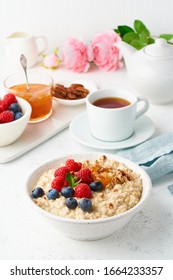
40,98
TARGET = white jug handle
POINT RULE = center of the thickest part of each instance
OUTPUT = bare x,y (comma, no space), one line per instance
45,43
144,108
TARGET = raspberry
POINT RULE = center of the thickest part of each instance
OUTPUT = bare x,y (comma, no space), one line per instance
84,175
6,117
73,165
82,190
58,183
61,171
3,105
10,98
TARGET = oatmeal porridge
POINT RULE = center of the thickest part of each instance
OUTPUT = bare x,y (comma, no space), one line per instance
100,188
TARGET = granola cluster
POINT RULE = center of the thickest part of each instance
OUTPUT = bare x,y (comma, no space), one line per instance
109,172
73,92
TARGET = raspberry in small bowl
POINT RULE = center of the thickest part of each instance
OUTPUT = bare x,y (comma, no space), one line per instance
15,113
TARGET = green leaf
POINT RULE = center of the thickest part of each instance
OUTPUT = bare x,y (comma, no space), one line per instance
76,183
137,44
140,27
151,41
72,180
69,178
144,38
166,36
123,29
130,36
117,31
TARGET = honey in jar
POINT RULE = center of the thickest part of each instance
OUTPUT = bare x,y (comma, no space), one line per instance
39,93
40,98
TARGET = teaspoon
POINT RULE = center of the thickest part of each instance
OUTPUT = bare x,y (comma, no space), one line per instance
23,62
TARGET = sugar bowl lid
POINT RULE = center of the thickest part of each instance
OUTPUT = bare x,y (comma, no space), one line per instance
160,49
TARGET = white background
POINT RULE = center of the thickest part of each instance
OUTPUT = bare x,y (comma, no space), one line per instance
58,19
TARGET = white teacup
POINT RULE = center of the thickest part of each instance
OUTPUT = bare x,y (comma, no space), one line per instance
114,124
23,43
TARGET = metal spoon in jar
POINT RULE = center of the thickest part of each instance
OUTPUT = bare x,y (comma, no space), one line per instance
23,62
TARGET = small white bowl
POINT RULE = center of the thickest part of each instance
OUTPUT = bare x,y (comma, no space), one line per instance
11,131
90,85
88,229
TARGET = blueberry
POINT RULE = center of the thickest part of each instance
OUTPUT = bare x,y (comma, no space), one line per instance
18,115
12,113
96,186
86,204
71,202
15,107
67,192
37,192
52,194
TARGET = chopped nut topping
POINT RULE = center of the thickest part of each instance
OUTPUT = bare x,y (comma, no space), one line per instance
74,91
106,174
111,206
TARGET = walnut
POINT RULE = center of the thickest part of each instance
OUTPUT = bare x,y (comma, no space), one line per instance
74,91
128,176
71,95
60,91
110,206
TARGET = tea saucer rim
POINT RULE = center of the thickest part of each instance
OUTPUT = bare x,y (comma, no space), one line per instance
76,125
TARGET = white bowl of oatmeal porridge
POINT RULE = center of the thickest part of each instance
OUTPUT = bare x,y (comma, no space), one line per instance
126,189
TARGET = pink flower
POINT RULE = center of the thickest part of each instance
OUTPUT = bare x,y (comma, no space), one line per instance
75,55
105,55
51,60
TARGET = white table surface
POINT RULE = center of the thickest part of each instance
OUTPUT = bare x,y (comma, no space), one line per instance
24,234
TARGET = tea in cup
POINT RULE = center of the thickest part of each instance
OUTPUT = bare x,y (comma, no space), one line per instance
112,113
39,93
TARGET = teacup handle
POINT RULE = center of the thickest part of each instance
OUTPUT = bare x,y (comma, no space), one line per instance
144,108
45,43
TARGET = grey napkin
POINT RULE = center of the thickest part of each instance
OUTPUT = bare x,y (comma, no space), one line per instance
154,155
170,188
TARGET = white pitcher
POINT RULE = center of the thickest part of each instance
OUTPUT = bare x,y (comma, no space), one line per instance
23,43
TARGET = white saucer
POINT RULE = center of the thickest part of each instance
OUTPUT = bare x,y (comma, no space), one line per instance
79,128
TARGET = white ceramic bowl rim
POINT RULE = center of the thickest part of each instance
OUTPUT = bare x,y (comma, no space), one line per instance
78,101
127,162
